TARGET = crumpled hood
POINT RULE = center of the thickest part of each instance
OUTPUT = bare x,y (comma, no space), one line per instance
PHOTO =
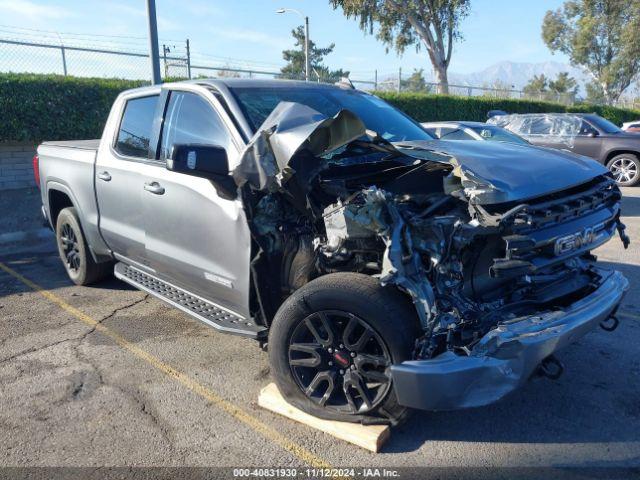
289,128
496,172
487,172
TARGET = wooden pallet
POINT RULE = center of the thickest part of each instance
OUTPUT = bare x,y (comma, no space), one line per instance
369,437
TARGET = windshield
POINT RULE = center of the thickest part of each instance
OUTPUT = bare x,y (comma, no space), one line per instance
391,124
497,134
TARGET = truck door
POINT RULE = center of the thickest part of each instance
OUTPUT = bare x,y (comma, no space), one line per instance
588,141
118,181
539,131
194,238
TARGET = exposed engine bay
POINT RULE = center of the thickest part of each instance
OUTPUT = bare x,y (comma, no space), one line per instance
468,252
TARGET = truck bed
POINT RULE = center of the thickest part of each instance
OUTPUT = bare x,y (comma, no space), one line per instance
79,144
68,167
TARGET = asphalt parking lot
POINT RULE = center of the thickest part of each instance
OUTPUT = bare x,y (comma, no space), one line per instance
107,376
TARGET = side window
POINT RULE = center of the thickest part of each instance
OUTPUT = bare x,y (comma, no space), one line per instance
541,126
191,120
516,124
135,128
585,128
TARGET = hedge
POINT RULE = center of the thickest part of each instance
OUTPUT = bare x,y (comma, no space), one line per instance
37,107
425,108
54,107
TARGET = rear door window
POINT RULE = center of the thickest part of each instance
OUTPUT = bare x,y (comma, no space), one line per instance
586,128
134,133
567,126
191,120
540,126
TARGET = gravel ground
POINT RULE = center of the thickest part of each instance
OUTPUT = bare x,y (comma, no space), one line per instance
77,394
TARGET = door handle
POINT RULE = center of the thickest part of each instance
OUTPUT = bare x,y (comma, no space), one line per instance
104,176
154,187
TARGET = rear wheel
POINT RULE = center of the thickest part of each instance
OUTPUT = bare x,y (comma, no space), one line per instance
625,169
74,251
332,344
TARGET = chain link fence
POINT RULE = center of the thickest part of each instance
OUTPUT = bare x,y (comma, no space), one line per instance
403,82
34,51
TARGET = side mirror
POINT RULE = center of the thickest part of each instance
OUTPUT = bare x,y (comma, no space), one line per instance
204,161
592,133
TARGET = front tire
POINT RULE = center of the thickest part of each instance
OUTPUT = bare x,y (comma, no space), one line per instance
332,343
74,250
625,169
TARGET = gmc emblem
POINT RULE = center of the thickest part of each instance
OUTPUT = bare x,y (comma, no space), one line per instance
577,240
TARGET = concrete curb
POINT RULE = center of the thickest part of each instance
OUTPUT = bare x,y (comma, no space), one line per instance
11,237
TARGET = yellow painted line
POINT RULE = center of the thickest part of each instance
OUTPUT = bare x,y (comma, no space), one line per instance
236,412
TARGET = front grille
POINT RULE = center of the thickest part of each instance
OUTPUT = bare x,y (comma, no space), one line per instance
564,206
549,230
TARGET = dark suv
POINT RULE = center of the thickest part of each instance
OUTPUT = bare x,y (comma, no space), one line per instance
584,134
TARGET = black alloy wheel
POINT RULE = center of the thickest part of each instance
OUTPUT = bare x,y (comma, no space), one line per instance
340,362
74,251
333,344
70,248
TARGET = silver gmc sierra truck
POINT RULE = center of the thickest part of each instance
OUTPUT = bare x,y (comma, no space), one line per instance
385,270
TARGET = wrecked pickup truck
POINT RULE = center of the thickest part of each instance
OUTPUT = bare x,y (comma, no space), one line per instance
383,269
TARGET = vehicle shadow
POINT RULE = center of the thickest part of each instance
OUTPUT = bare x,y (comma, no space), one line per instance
46,270
596,400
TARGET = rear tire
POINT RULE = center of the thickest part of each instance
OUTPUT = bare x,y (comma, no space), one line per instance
343,329
625,169
74,250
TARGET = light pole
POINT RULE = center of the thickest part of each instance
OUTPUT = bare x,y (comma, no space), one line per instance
153,43
306,39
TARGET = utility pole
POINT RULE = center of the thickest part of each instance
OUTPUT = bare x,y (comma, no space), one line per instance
307,63
64,61
153,42
188,60
399,79
165,50
375,79
306,48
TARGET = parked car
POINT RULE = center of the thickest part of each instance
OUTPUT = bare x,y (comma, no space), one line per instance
631,126
471,131
383,269
585,134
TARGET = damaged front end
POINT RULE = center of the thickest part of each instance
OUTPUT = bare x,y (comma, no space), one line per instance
496,261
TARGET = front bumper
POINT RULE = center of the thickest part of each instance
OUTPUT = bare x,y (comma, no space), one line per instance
506,357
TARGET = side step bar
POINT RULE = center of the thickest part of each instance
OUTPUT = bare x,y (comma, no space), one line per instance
208,312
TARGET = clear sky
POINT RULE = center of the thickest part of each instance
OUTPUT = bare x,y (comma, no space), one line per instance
250,30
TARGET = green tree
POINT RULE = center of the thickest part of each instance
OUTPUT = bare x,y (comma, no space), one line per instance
536,87
602,36
295,60
415,83
595,94
430,24
564,84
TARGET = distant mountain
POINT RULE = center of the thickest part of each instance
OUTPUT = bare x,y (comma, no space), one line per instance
516,74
